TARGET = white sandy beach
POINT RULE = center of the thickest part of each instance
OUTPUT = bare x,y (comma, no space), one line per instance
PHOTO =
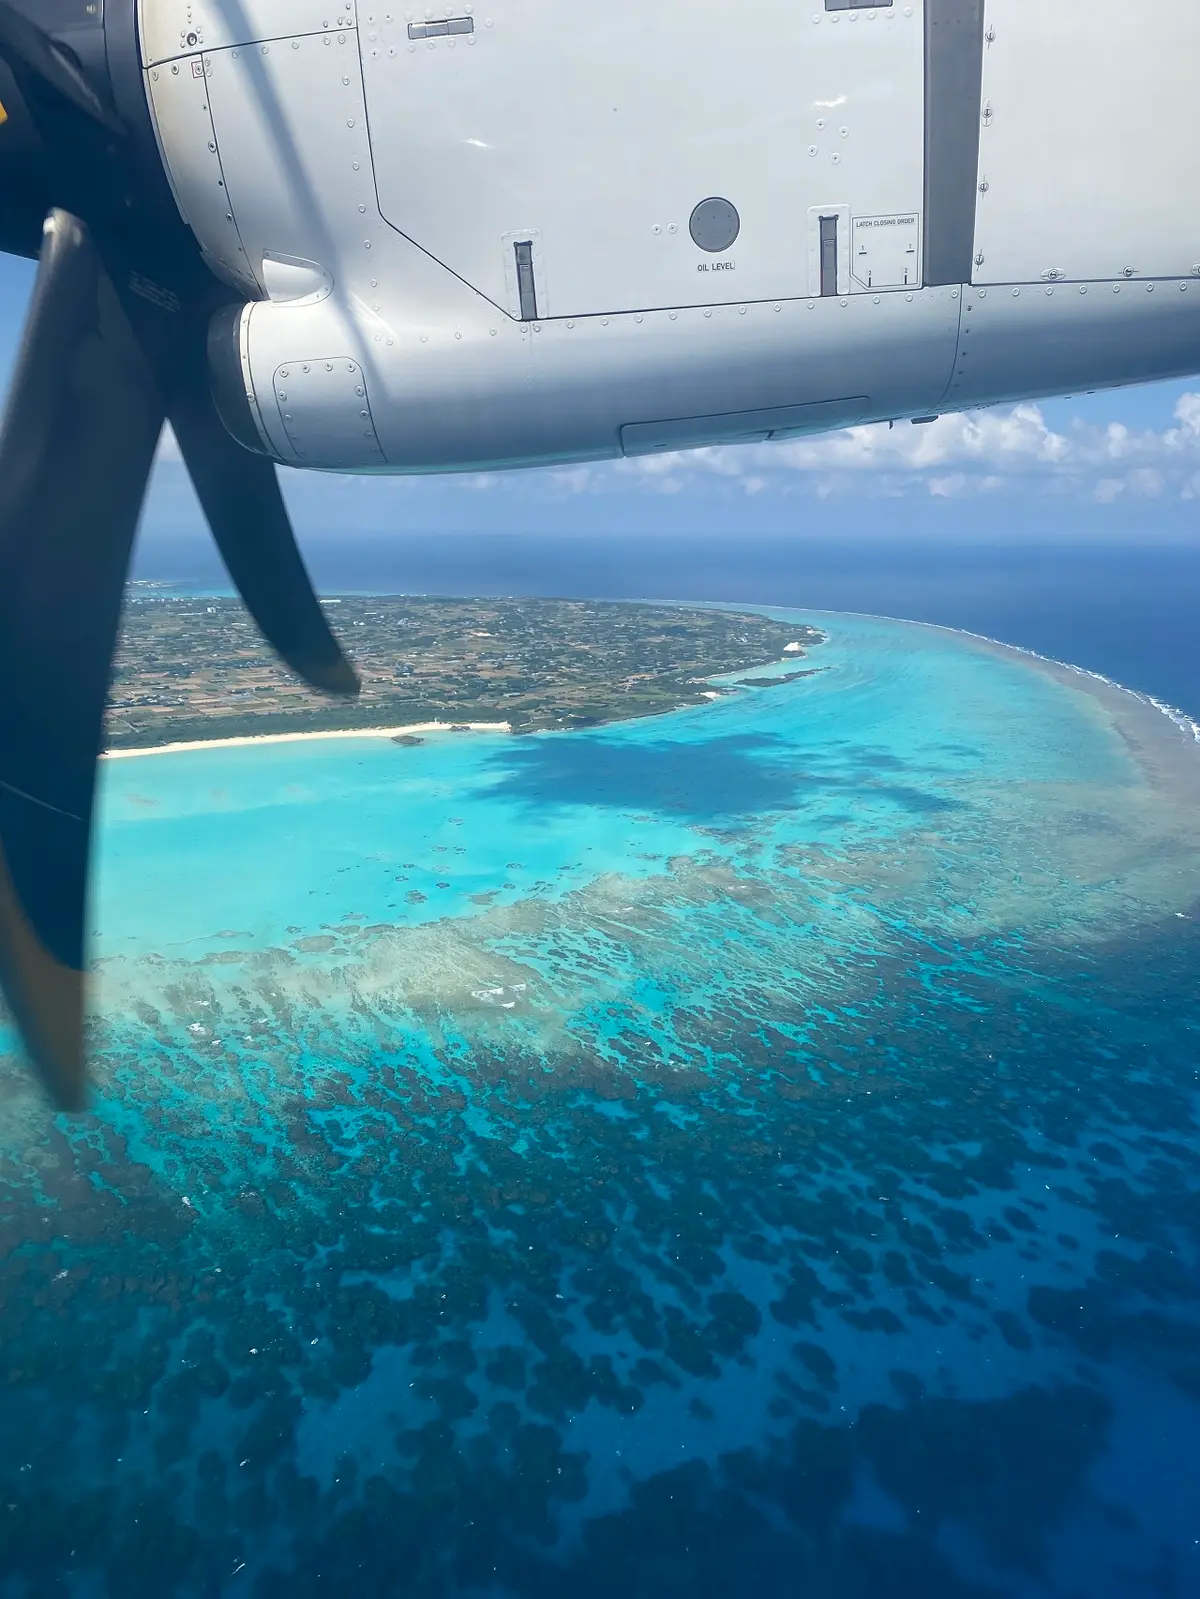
412,728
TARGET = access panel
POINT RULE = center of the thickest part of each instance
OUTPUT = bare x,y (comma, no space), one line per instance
567,160
1088,136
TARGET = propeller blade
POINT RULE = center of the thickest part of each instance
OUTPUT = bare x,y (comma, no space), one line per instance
238,490
242,501
76,447
32,54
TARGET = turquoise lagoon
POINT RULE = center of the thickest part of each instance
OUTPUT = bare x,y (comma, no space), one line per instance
751,1150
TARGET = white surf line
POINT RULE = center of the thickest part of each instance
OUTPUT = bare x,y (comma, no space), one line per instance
409,730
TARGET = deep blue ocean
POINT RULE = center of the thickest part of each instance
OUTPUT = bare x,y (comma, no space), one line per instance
747,1151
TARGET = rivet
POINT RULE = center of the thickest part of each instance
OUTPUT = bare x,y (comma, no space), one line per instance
308,368
908,297
1183,288
492,331
570,324
708,313
658,227
813,150
362,210
458,335
674,316
843,303
1116,288
778,307
1016,294
741,310
812,305
349,122
603,321
1149,288
360,392
283,396
672,227
283,372
366,244
983,294
835,157
1083,288
954,294
329,366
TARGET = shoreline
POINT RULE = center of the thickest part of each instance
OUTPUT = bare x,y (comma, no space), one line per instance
411,729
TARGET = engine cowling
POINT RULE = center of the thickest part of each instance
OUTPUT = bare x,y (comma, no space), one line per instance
472,241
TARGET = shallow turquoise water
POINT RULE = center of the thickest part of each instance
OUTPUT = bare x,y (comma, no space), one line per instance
745,1148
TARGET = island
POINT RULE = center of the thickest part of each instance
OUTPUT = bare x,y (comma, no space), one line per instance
192,669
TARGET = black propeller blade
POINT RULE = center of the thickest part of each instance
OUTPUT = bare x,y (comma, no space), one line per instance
241,499
115,342
77,444
33,54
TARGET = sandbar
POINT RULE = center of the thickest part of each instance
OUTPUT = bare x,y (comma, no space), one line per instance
300,738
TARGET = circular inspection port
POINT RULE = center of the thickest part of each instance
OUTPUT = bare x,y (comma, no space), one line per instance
715,224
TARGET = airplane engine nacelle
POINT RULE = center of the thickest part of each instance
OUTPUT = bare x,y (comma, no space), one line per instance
523,233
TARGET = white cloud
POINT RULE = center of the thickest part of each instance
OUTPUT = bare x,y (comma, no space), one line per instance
1147,482
947,488
995,452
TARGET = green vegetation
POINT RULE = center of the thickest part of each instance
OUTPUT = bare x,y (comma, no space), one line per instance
197,668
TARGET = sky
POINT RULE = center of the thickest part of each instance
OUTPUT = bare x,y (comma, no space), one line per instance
1118,465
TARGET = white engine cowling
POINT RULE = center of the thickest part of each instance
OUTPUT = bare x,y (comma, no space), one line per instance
520,234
